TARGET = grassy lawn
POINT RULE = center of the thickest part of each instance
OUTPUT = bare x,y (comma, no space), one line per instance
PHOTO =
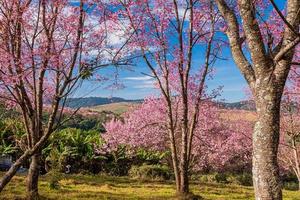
104,187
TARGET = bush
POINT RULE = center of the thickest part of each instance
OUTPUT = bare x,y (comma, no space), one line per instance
118,162
54,174
221,177
291,186
55,177
245,179
153,172
207,178
214,178
239,179
143,156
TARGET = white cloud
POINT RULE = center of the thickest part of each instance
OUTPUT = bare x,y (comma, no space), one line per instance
149,84
138,78
141,82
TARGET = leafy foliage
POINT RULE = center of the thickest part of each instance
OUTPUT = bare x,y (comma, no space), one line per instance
151,172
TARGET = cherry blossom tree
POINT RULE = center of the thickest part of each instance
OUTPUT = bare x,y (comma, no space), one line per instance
270,40
150,131
35,68
47,48
220,140
165,34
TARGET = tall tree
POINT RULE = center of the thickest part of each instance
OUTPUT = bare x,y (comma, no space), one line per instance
33,70
166,34
271,47
47,48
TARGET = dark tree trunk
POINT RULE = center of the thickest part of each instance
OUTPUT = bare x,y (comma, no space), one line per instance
265,169
184,178
184,183
33,177
175,167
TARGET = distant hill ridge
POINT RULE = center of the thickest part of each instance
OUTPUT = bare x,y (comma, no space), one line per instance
98,101
240,105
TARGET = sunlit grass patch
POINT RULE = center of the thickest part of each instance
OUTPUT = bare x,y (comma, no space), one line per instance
108,187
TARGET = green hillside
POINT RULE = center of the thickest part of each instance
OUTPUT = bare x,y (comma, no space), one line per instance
117,108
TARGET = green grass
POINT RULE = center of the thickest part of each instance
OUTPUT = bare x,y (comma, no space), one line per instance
106,187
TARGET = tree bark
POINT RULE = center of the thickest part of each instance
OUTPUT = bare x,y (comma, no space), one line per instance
33,177
184,182
184,178
174,160
265,169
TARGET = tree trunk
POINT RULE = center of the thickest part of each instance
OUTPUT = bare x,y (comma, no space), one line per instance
265,169
184,178
174,160
175,167
33,177
184,183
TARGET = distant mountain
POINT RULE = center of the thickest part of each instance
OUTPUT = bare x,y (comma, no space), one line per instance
96,101
240,105
99,101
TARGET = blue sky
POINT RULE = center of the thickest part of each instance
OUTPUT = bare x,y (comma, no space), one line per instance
139,86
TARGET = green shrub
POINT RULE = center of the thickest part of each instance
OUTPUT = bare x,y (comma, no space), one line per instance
239,179
153,172
245,179
149,157
118,162
54,174
221,177
207,178
195,177
214,178
54,179
291,186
